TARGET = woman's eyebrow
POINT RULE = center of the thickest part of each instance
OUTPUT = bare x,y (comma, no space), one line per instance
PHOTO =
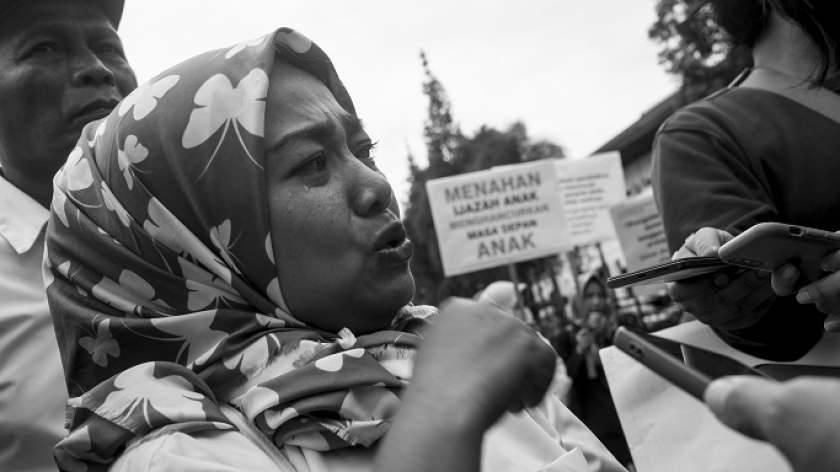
321,131
352,125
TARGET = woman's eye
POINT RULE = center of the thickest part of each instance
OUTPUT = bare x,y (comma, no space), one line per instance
365,153
43,48
316,163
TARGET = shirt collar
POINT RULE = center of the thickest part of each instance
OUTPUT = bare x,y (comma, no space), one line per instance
21,217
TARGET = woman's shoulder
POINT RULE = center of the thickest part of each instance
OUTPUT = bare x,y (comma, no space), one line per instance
732,108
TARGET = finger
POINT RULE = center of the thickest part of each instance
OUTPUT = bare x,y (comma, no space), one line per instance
707,241
785,280
737,304
824,293
747,282
745,404
832,324
683,253
831,262
701,286
730,299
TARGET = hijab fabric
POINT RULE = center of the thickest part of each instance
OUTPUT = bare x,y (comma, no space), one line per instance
162,282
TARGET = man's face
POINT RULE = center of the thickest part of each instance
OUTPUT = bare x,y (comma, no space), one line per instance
61,67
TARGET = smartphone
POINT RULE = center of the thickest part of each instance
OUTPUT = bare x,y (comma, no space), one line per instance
769,246
693,368
677,269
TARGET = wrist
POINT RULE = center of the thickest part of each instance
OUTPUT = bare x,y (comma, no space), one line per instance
444,408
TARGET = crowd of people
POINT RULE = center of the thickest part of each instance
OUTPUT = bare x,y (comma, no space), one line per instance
225,272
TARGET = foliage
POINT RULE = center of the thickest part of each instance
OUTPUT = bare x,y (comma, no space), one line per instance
696,48
450,152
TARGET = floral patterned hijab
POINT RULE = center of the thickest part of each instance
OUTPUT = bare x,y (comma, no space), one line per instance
162,282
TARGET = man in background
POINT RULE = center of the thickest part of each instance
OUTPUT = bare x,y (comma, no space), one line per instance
61,66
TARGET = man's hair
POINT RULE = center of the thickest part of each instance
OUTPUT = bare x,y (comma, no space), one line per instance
743,20
818,19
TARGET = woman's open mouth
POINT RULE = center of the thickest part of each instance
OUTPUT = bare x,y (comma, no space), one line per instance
392,244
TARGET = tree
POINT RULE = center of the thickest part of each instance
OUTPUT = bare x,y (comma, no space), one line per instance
450,152
696,48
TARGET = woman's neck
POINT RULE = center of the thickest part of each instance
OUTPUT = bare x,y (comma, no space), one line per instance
784,48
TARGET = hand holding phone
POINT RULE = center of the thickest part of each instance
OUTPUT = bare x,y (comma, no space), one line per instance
798,417
692,368
671,271
794,407
698,256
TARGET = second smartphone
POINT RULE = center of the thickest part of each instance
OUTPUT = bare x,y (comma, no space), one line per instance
692,368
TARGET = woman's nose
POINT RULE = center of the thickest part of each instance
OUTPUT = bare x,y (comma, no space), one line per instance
371,193
90,71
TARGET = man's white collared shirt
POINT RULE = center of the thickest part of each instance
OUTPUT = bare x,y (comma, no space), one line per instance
32,388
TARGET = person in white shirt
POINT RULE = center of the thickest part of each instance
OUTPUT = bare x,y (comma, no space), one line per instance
61,66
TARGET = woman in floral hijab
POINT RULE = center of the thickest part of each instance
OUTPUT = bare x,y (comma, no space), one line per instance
229,279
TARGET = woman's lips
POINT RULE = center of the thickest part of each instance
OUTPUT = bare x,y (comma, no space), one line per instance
396,254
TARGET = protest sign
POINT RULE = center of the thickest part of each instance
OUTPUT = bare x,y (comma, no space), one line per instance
640,231
499,216
641,235
588,188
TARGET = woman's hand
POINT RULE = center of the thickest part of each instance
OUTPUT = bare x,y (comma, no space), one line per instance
476,362
729,299
800,417
482,360
825,292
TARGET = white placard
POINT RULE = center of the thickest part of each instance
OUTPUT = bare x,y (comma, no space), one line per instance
640,231
499,216
588,188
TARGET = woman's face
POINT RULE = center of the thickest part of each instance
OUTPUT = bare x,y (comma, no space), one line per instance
594,297
596,321
341,251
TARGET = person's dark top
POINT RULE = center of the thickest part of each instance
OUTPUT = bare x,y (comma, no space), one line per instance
744,156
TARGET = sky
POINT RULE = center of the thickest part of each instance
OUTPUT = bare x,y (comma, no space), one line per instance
576,72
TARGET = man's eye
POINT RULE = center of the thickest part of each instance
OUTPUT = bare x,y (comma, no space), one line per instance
316,163
110,49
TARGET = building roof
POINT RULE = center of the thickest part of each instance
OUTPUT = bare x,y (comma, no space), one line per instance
637,140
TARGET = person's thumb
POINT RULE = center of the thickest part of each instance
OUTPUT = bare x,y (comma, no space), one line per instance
743,403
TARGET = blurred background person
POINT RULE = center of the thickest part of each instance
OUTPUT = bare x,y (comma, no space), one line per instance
590,399
61,66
